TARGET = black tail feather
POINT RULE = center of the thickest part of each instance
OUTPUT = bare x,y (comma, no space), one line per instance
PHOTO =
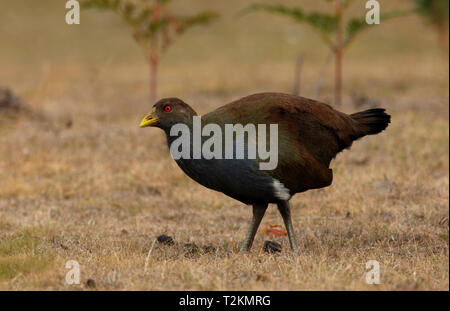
372,121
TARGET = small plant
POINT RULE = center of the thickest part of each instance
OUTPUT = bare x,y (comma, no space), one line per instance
154,27
435,13
330,27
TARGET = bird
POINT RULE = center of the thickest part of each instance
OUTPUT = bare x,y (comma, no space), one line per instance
310,134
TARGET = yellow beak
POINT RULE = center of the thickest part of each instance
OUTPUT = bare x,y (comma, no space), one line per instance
149,120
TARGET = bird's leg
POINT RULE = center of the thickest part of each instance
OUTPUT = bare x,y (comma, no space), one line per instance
258,214
285,211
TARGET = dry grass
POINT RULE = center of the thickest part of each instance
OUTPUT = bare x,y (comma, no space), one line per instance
99,191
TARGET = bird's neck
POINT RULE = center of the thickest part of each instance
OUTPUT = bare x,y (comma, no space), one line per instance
185,130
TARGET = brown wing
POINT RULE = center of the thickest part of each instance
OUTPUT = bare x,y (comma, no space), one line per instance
310,133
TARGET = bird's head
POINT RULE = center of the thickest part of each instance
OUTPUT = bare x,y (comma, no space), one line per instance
168,112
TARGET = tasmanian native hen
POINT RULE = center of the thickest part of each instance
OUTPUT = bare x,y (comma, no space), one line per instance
309,135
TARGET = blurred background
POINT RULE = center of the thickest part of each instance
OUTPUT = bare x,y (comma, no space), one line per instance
78,179
250,53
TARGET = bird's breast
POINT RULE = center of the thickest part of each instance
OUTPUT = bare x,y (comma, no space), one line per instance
239,179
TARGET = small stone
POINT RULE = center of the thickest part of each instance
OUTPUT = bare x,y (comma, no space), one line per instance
190,249
8,100
272,247
209,249
165,239
262,277
69,123
90,283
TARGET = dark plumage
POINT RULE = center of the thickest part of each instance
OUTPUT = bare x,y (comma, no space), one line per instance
310,135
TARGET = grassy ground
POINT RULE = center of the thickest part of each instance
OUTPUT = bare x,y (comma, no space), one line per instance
80,181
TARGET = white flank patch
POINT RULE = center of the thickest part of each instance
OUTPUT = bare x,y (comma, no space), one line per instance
280,191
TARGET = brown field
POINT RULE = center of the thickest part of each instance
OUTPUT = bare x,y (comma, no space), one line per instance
80,181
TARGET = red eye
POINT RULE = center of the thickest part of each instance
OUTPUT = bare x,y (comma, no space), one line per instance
167,108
